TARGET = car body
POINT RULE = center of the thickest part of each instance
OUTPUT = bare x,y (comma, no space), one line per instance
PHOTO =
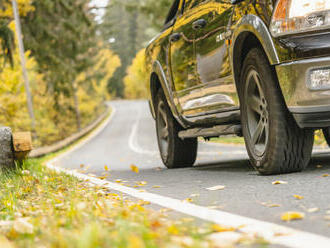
197,61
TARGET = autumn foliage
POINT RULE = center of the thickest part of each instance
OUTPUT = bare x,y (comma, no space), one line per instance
86,78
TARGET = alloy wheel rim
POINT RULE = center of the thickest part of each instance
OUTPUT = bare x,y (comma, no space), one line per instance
257,113
162,127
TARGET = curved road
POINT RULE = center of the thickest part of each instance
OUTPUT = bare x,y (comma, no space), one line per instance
130,139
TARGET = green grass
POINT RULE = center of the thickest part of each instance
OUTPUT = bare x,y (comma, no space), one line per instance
235,140
232,140
41,208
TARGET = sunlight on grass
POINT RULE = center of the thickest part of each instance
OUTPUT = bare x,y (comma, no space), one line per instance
40,208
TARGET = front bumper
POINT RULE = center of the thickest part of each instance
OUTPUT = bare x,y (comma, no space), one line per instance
310,108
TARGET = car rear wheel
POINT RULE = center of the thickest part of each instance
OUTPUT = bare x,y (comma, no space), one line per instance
175,152
273,139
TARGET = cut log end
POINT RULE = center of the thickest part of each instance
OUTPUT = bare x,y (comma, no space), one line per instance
22,144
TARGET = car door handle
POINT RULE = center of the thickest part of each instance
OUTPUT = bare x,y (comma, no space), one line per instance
175,37
199,24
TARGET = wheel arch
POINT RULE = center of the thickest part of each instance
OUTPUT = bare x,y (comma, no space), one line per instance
251,32
158,81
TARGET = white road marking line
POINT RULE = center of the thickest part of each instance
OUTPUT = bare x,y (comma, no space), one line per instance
132,141
273,233
135,147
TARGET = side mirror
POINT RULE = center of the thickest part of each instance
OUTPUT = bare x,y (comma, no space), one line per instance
236,1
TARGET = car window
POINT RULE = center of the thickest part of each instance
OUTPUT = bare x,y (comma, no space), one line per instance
173,11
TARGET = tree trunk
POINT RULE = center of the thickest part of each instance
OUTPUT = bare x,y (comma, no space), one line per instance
6,148
76,105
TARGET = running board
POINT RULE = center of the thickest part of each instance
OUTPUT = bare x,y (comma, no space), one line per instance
211,132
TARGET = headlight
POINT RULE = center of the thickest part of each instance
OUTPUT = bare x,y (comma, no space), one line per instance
297,16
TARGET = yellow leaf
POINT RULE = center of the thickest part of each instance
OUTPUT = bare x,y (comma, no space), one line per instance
135,242
173,230
288,216
279,182
298,197
134,168
325,175
220,228
106,168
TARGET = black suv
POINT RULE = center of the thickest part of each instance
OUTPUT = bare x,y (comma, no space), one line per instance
257,68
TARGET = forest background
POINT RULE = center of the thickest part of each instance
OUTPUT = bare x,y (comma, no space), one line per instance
76,60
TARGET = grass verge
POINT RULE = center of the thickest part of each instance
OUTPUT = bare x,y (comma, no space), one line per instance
41,208
235,140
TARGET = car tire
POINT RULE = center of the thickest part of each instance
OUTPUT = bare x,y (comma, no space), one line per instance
175,152
274,141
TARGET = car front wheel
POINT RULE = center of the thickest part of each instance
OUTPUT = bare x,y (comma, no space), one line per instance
273,139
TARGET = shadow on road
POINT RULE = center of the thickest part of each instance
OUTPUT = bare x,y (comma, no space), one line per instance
318,162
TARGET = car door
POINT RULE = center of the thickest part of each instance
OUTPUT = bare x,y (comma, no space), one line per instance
212,57
187,87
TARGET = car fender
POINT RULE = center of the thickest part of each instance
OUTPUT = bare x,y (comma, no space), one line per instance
255,25
167,89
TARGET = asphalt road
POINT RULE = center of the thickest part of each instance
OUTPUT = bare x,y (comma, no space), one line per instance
130,139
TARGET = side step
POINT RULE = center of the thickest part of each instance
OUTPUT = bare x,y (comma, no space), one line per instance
211,132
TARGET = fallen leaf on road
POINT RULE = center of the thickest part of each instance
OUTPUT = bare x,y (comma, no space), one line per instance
298,197
279,182
288,216
118,181
156,186
218,187
134,168
106,168
188,200
327,217
143,183
270,205
313,210
325,175
194,195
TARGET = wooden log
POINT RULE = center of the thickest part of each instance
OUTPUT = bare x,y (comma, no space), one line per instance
6,148
22,144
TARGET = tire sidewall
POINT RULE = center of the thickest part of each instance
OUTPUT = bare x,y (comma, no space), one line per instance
253,62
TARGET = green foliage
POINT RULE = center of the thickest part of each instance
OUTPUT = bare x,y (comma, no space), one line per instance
61,36
132,24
